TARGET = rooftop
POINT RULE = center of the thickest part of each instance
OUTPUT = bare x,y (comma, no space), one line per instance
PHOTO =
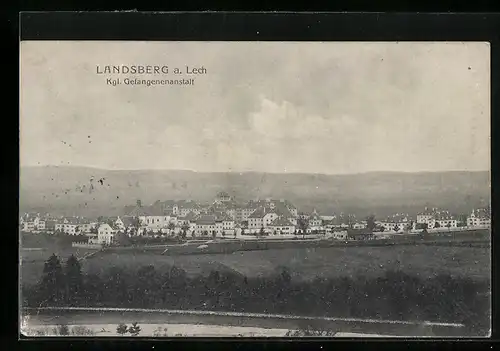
128,221
482,213
205,220
77,220
112,225
281,222
191,216
260,212
443,216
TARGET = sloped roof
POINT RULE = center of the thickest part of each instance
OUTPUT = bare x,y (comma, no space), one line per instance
224,218
281,210
281,222
260,212
168,205
136,211
397,218
281,202
443,217
191,216
112,225
205,219
76,220
482,213
429,211
129,208
128,221
314,216
29,217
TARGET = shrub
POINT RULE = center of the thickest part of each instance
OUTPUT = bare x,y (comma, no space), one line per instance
63,330
122,329
82,330
134,329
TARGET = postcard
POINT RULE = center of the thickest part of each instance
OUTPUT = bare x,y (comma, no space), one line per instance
276,189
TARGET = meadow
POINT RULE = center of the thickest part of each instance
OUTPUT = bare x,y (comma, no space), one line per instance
304,263
309,263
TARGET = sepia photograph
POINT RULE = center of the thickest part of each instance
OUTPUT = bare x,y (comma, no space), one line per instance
254,189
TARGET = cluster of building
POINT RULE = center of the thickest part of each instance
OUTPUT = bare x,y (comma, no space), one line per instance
226,217
35,222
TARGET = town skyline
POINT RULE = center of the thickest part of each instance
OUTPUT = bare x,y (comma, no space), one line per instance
324,108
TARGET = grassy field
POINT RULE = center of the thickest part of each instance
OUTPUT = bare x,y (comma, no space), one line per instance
303,262
308,263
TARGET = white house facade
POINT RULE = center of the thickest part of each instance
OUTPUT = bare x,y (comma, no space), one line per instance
106,233
479,218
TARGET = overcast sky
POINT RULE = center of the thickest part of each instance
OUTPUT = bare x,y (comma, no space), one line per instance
275,107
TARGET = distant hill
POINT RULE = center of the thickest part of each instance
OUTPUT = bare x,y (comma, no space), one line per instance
92,192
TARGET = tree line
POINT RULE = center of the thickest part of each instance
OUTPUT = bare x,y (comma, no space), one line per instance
396,295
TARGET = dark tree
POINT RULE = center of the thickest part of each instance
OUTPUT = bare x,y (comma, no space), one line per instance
185,228
396,228
214,234
122,329
63,330
53,282
74,280
136,225
370,223
437,225
171,227
262,232
350,221
134,329
303,224
409,227
397,295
